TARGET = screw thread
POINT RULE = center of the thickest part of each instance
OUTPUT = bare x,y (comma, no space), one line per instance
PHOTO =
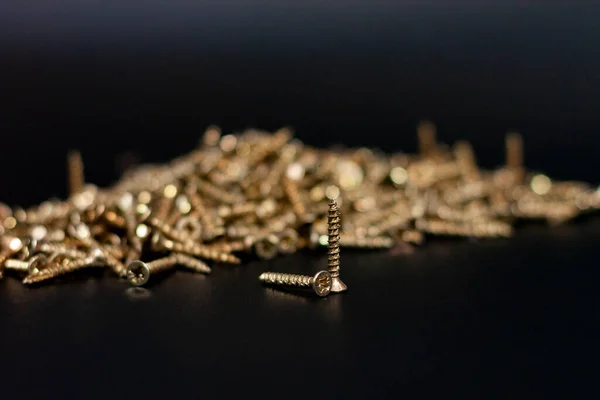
18,265
162,264
202,251
291,190
277,278
333,245
166,229
191,263
62,250
55,269
216,192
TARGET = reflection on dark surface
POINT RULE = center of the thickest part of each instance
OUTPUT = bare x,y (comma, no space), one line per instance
138,293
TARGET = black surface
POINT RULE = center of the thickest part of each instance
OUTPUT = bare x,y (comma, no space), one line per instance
491,319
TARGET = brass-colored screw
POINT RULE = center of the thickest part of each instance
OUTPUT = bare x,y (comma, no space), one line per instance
216,192
199,250
426,134
138,272
514,156
96,258
75,172
466,162
291,190
209,224
333,247
320,283
450,228
268,247
553,211
10,246
391,223
288,241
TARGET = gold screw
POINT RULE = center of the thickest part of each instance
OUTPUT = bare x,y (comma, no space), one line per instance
138,272
291,190
321,283
199,250
10,246
216,192
268,247
426,133
514,156
96,258
75,172
333,247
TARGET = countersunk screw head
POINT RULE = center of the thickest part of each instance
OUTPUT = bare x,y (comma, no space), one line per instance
322,283
138,273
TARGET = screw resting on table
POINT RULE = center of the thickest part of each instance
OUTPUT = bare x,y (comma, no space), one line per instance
138,272
320,283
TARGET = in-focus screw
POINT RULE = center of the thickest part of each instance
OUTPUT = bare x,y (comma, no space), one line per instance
320,283
138,272
333,247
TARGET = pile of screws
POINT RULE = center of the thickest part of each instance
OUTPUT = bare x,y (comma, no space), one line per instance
266,194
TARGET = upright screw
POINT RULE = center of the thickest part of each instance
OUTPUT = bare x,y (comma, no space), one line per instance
321,283
514,155
333,247
426,133
75,172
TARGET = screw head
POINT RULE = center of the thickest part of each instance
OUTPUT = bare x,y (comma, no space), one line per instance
32,267
138,273
322,283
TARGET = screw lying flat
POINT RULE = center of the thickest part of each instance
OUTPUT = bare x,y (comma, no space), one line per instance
138,272
320,283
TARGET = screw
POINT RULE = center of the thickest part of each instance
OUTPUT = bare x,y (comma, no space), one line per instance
465,159
268,247
25,266
514,156
210,225
288,241
138,272
10,246
333,247
216,192
554,211
321,283
291,190
96,258
199,250
391,223
480,229
75,172
426,133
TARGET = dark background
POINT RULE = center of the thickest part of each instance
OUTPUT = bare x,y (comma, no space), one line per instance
129,80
